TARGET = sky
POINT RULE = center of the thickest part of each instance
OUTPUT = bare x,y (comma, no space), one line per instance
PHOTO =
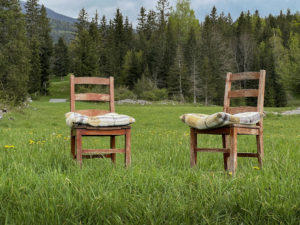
131,8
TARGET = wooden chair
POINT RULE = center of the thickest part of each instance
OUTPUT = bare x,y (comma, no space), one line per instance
78,131
229,133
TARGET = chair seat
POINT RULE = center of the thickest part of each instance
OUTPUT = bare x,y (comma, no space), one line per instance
106,121
221,119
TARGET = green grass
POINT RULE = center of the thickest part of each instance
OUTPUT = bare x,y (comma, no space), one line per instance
59,88
41,184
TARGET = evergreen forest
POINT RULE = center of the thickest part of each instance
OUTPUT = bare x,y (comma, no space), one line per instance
170,54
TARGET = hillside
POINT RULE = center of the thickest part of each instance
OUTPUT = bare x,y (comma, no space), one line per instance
62,26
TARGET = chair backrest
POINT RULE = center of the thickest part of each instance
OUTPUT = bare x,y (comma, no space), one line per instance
92,96
259,93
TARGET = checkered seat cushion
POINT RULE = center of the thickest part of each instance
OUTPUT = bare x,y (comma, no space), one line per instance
220,119
106,120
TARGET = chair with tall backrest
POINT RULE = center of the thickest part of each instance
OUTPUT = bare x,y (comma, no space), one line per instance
229,133
80,130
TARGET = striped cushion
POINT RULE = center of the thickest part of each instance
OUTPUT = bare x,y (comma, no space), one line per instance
220,119
106,120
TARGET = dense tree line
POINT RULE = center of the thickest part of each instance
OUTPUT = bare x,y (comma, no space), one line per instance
25,51
170,54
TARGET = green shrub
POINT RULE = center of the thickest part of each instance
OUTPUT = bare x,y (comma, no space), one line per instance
155,95
124,93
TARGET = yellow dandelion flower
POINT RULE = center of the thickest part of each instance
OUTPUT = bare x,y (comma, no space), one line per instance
256,167
31,142
230,173
9,146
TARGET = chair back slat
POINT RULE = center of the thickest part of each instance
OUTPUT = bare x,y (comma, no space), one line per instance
245,76
243,93
92,96
91,80
259,93
234,110
92,112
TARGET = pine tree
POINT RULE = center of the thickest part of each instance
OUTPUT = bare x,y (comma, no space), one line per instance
142,21
32,26
14,63
46,49
191,54
85,57
132,68
96,44
119,47
61,58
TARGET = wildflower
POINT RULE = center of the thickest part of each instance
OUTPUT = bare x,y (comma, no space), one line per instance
31,142
230,173
256,167
58,135
9,146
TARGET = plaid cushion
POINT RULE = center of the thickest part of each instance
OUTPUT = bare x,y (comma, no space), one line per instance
106,120
220,119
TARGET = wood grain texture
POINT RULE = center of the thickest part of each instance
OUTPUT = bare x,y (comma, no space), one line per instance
233,151
224,150
92,112
73,153
92,97
91,80
193,146
246,154
79,147
113,146
245,76
127,148
243,93
72,93
261,88
227,90
225,144
86,132
112,95
102,151
241,109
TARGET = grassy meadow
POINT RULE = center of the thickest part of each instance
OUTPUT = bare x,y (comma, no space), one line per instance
41,184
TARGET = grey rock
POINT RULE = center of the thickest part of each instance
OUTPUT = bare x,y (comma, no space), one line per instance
57,100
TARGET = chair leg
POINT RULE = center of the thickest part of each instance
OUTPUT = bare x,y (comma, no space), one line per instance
193,158
127,148
233,151
79,147
260,149
225,142
73,146
112,146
